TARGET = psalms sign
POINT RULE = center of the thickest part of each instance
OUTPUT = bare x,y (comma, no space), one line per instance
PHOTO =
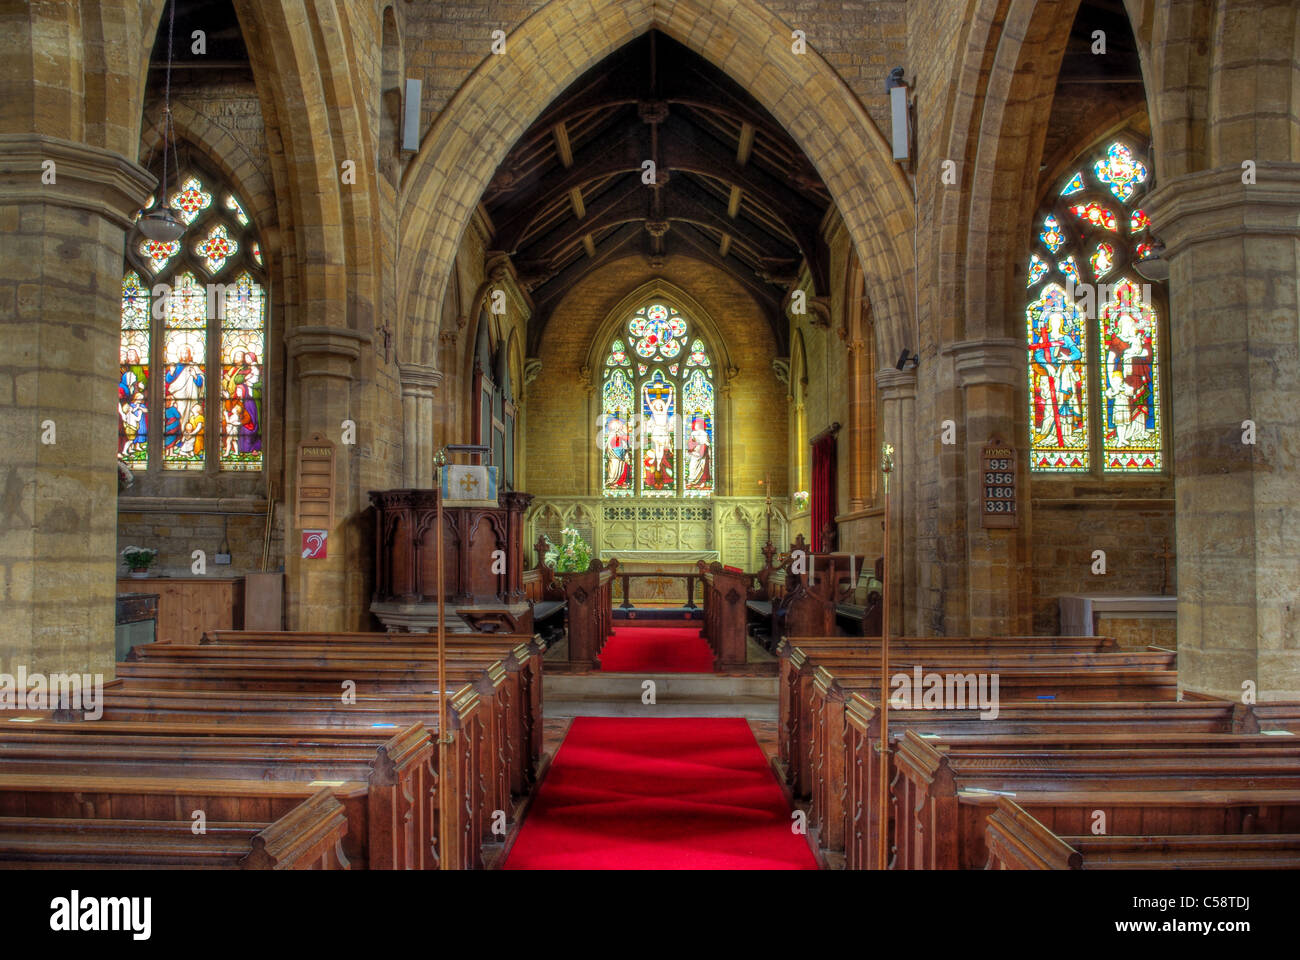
998,486
315,484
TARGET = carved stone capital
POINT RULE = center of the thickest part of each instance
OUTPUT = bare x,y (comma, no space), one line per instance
1213,204
418,379
994,360
532,367
896,384
84,177
325,351
820,311
781,367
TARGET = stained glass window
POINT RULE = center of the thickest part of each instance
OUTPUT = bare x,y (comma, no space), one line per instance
1130,380
656,426
1094,304
1037,269
1073,185
1102,260
658,445
617,401
697,411
185,387
133,387
191,200
699,355
1058,382
158,252
657,332
233,206
1095,214
243,345
1120,171
618,355
207,339
1051,235
216,248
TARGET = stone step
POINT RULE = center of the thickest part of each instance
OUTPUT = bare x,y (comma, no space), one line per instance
676,695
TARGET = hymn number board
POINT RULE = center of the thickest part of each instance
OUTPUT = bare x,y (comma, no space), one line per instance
315,484
998,486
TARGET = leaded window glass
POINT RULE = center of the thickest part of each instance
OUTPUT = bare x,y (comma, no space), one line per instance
657,425
1095,304
196,309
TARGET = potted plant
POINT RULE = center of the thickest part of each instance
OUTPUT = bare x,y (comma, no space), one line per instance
801,501
138,560
573,555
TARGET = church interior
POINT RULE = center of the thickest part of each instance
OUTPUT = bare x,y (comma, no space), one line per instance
626,434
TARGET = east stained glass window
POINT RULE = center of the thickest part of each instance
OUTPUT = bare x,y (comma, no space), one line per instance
1094,304
656,427
617,401
195,309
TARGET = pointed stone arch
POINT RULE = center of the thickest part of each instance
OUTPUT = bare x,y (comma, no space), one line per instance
564,38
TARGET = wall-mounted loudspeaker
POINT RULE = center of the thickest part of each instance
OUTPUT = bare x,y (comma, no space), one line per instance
411,116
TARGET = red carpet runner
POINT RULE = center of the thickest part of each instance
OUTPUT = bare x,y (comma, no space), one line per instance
632,793
656,650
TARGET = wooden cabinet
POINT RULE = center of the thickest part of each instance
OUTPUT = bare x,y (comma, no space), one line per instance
187,606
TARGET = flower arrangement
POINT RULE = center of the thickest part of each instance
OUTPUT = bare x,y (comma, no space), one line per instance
139,559
573,554
801,500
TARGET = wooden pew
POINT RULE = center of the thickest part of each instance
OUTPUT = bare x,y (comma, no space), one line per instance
589,611
943,792
798,657
308,837
526,658
1016,841
394,829
725,592
463,794
1022,676
511,693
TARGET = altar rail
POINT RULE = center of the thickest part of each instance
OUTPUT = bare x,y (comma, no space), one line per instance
734,527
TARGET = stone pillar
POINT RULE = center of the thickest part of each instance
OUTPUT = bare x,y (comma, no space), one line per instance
419,383
60,316
989,372
323,364
897,390
1234,256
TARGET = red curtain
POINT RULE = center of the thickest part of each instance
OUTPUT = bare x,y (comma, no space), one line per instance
823,489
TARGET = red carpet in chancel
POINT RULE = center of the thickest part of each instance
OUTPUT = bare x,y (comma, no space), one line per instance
656,650
676,793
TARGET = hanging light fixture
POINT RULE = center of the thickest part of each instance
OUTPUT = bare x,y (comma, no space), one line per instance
160,224
1153,266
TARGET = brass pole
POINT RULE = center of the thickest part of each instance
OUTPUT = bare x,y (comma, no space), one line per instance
882,819
443,739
